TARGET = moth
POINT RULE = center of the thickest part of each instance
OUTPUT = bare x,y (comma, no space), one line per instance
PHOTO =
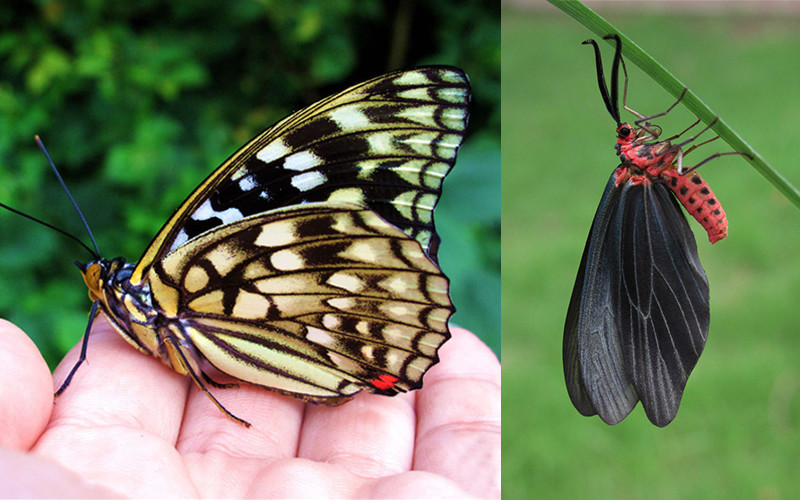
639,314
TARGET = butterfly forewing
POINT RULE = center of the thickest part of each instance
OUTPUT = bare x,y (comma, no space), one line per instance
320,301
385,144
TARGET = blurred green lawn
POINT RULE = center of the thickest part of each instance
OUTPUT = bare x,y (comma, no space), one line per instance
737,434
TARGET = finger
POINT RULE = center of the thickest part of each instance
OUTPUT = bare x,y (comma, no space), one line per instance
118,420
117,385
29,476
300,478
371,436
458,435
275,423
26,389
223,457
214,446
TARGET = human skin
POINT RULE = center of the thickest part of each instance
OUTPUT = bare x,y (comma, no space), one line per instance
129,426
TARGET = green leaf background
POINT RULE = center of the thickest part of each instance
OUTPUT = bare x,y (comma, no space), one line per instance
138,101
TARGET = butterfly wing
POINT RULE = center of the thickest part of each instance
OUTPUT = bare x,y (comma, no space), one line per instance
318,301
385,144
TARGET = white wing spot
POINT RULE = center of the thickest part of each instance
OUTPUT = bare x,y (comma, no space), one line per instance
196,279
362,251
273,151
368,352
397,310
346,281
286,260
411,78
350,118
342,303
331,322
348,195
223,257
397,285
276,234
362,327
308,181
205,211
250,305
420,114
182,238
303,160
381,142
247,184
319,336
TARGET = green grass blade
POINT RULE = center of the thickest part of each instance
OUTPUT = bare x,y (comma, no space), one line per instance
660,75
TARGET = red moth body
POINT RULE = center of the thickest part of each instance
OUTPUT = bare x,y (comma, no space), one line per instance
645,162
698,199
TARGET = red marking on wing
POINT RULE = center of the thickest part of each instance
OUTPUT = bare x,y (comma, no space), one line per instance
385,382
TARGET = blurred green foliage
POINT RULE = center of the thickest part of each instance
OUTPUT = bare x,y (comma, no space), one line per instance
138,101
737,433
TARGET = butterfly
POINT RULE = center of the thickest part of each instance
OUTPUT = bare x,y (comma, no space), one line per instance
307,262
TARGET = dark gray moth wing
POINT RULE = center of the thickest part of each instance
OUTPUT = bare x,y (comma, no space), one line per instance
660,296
597,381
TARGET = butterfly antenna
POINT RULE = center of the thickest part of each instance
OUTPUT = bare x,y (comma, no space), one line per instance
96,252
54,228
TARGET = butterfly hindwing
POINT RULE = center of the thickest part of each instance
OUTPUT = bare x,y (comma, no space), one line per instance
661,298
319,301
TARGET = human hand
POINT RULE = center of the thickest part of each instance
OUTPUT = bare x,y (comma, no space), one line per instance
128,425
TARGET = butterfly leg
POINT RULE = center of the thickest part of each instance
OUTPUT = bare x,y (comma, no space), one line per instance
690,127
644,121
182,365
213,383
84,347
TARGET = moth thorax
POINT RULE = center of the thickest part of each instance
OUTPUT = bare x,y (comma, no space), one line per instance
663,148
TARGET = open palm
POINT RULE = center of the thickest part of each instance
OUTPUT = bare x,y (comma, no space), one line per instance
128,425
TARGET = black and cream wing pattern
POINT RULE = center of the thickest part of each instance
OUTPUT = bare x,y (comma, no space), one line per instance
307,262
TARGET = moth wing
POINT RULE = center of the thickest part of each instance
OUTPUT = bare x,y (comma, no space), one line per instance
662,300
597,381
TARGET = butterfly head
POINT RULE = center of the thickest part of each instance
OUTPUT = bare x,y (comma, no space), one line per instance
98,272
